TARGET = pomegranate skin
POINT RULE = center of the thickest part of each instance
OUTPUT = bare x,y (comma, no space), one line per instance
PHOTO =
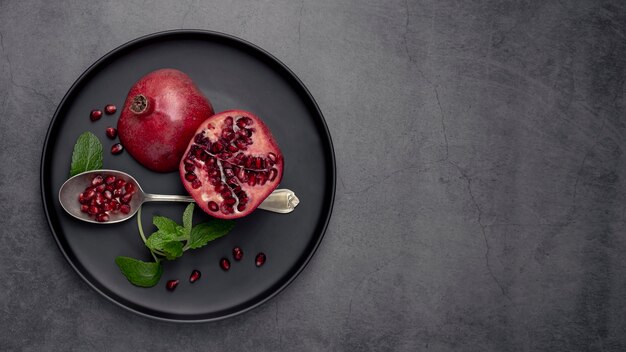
160,115
232,164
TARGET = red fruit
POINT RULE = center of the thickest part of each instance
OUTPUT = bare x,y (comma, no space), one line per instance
111,132
237,253
161,114
260,259
110,109
117,148
195,275
230,185
95,115
171,284
225,264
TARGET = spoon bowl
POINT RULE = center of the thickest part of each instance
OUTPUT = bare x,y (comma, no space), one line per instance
281,201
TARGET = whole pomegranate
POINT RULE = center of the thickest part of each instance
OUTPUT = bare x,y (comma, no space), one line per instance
161,113
231,164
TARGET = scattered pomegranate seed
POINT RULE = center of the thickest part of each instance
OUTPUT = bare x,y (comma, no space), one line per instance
116,149
225,264
260,259
237,253
95,115
171,284
111,132
110,109
195,275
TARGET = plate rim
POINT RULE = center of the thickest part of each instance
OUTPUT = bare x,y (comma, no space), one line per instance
199,32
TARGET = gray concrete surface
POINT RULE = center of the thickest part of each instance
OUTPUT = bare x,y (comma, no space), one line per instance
480,202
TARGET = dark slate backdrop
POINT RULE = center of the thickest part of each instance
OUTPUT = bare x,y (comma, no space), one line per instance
480,156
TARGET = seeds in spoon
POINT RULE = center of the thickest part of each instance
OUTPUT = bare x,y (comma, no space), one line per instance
100,202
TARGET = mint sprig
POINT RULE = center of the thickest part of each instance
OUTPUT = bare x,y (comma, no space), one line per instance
170,241
144,274
87,154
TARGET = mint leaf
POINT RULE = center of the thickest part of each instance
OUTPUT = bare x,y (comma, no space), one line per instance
173,250
164,224
206,232
87,154
140,273
158,240
187,218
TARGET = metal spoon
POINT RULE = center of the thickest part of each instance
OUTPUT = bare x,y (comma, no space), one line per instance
280,201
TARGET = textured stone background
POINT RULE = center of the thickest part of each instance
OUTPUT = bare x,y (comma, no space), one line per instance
480,154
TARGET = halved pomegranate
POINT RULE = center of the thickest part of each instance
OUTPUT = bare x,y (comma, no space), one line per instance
232,164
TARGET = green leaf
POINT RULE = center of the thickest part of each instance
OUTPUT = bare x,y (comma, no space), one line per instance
187,217
173,250
87,154
164,224
158,240
140,273
206,232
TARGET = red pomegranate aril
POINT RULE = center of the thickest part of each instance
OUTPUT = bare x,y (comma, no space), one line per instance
109,179
101,188
189,167
213,206
190,176
116,149
95,115
225,264
251,179
237,253
97,180
129,188
126,198
110,109
195,184
89,193
111,132
108,206
103,217
107,194
120,183
99,199
93,210
117,192
195,275
84,208
260,259
125,208
110,187
241,207
230,201
272,175
171,284
116,205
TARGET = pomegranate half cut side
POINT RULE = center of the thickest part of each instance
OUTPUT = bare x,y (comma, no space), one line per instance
231,164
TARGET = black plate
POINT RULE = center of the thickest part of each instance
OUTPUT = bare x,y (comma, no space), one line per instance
234,74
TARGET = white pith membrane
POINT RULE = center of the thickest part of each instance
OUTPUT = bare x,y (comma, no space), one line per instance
224,156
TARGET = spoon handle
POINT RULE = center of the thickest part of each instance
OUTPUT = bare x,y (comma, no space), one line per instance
167,198
280,201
